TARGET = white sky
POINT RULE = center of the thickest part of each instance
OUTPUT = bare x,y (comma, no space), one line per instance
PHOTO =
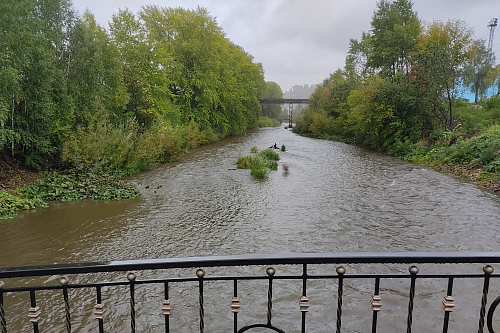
303,41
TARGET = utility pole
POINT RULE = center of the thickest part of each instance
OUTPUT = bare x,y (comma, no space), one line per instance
492,25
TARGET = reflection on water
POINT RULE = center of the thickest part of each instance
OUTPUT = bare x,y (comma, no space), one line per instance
335,198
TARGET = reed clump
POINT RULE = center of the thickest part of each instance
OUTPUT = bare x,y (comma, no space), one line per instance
259,163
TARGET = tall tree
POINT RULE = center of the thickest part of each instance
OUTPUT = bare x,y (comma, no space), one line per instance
35,38
356,67
95,72
273,92
394,34
444,50
481,63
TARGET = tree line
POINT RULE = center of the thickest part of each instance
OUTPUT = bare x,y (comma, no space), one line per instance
157,82
400,82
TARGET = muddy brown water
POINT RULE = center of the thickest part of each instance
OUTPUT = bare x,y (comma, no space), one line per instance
334,198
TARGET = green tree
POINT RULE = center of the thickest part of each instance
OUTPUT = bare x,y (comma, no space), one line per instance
95,73
357,67
493,78
35,41
395,31
443,52
273,92
213,82
476,71
129,35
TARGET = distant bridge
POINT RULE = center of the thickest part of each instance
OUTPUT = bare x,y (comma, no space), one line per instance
290,102
284,101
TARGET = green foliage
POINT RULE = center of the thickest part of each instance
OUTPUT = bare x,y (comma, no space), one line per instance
160,82
254,150
260,163
269,154
261,172
272,165
395,30
267,122
273,92
283,148
477,69
11,204
77,186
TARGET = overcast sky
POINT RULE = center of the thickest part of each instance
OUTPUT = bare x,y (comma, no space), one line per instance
302,41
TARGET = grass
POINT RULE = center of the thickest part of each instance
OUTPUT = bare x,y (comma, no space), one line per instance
259,163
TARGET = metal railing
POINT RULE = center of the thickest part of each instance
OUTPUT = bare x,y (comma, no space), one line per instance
359,261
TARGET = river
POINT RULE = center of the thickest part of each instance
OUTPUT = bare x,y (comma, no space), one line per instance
334,198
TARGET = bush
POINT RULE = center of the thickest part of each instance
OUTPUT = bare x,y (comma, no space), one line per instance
270,154
259,163
272,165
267,122
77,186
11,204
260,173
102,147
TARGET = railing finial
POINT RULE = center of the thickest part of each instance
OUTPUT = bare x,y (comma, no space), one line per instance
488,269
200,273
270,271
413,270
64,281
340,270
131,276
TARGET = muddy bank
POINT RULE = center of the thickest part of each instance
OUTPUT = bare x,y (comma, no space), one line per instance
13,175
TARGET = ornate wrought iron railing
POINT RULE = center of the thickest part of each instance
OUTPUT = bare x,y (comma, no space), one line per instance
338,261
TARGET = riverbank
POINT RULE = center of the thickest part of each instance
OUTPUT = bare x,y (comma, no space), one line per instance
475,173
12,175
471,157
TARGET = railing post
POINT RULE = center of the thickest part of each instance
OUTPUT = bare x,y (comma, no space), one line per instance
64,282
340,271
413,271
200,273
448,305
2,311
487,272
166,308
34,313
270,272
235,305
131,277
99,309
304,301
376,304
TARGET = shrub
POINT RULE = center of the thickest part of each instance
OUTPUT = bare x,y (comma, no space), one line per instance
267,122
272,165
249,162
77,186
10,204
270,154
260,173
